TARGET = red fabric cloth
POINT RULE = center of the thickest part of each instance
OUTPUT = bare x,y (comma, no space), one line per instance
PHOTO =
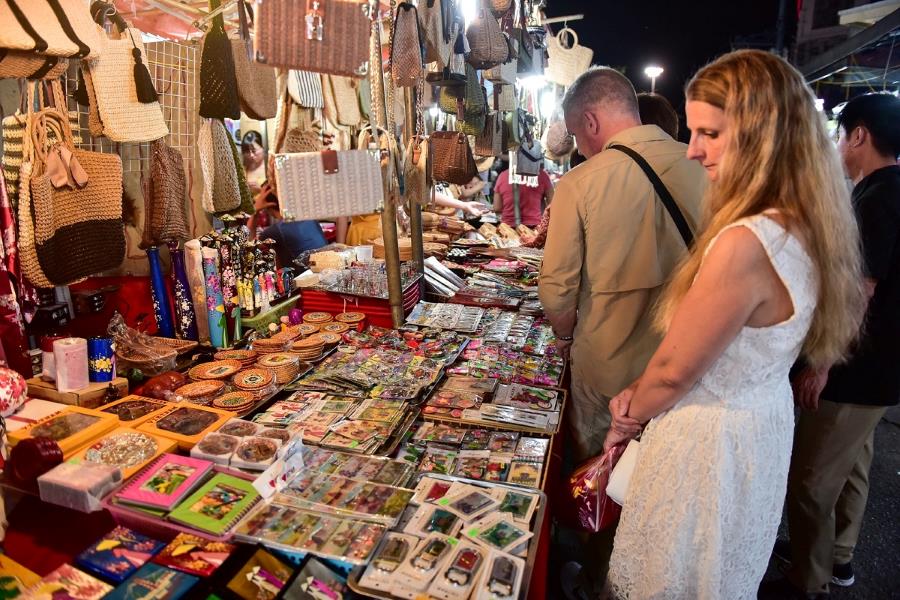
529,199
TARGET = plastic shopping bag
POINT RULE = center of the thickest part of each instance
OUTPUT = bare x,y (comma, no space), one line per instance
594,510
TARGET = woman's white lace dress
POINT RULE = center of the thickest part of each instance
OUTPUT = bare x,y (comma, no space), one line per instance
705,499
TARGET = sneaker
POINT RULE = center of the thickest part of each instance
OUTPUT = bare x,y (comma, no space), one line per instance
782,551
842,575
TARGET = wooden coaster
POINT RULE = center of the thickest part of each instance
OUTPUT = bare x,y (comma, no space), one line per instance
219,369
335,327
253,379
351,318
317,317
201,389
234,401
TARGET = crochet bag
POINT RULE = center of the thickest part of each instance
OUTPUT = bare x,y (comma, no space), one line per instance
328,184
218,81
24,64
406,48
221,189
451,157
115,108
49,28
76,205
324,36
489,47
164,197
567,60
305,89
255,82
557,140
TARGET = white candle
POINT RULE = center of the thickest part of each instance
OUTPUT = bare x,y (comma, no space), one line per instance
71,358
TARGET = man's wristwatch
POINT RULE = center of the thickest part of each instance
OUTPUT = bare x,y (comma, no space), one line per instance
564,338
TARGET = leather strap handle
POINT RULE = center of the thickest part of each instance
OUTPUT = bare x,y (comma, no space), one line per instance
663,192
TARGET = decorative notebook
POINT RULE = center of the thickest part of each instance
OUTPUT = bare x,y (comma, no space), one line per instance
14,578
217,505
164,482
156,583
194,554
118,554
68,583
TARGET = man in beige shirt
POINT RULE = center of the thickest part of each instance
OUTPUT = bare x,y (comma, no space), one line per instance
611,246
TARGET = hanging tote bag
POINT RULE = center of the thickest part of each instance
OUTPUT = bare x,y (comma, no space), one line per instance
407,61
567,60
320,185
221,189
557,140
218,81
24,64
49,28
468,103
529,158
531,56
453,71
489,142
305,89
500,7
345,95
323,36
256,87
451,157
488,46
439,26
76,200
506,73
415,170
164,197
118,112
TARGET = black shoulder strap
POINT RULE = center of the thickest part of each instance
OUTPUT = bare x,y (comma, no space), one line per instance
663,192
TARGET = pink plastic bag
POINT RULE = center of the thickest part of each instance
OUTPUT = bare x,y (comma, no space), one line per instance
594,510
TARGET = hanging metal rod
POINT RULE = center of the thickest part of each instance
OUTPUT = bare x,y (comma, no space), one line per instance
548,20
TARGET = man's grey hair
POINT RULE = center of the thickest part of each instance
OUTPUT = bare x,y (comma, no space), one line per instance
602,86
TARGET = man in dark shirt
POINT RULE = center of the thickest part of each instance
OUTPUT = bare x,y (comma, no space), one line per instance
293,238
829,477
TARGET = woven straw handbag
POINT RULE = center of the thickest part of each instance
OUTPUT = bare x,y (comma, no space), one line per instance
218,81
76,198
489,47
324,36
255,82
451,157
505,98
468,103
345,95
49,28
529,158
489,142
221,189
505,73
389,158
24,64
119,114
557,140
305,89
438,22
165,219
415,170
13,132
407,65
328,184
500,7
567,60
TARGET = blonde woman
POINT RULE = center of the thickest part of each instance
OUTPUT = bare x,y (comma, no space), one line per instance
776,272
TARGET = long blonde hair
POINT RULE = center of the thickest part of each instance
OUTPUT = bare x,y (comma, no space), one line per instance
780,156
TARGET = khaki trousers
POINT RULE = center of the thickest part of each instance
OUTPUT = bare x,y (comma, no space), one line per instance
827,488
588,414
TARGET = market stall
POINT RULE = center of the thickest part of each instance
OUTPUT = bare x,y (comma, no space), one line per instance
379,417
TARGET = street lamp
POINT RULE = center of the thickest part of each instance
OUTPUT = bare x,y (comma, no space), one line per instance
653,72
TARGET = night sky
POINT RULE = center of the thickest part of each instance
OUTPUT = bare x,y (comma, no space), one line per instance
678,35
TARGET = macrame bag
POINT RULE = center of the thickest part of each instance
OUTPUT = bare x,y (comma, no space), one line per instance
218,80
407,65
115,93
323,36
255,82
165,219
